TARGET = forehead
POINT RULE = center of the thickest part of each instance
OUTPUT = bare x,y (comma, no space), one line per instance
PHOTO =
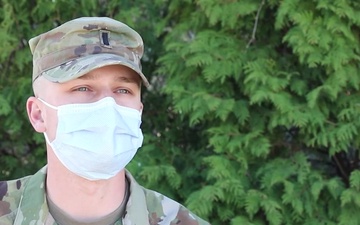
115,72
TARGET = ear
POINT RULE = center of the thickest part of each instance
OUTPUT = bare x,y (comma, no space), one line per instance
141,107
34,113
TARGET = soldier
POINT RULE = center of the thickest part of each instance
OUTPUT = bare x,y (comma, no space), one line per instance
87,82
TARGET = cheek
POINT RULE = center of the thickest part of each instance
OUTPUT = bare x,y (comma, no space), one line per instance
132,105
133,102
137,105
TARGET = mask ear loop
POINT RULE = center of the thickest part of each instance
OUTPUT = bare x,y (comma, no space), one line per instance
47,140
47,104
53,107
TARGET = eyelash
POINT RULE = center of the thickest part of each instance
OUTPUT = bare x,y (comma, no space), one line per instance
121,90
80,89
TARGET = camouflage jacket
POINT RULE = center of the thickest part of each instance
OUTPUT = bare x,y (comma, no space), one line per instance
23,202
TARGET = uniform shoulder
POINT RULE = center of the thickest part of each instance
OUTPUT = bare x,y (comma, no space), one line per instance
148,206
10,194
163,208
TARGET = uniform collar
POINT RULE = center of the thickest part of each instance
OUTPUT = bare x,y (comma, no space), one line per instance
33,207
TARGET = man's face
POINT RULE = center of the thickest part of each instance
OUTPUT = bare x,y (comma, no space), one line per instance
118,82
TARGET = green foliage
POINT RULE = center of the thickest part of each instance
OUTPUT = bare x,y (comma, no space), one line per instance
274,89
253,114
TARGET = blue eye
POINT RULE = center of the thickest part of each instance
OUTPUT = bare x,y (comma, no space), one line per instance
82,89
123,91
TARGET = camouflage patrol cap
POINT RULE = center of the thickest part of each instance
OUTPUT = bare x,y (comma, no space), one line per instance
84,44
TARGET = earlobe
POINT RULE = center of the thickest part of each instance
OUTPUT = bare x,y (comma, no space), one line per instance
34,113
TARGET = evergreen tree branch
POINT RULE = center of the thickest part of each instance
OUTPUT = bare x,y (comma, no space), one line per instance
356,160
341,167
253,38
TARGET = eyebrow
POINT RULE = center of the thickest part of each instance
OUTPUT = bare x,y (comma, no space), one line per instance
86,77
118,78
127,79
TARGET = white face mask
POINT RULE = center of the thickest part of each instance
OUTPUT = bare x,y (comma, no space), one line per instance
96,140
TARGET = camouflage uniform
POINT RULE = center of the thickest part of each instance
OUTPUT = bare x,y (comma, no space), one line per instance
23,202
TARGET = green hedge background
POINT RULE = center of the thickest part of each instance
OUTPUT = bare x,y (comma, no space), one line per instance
253,113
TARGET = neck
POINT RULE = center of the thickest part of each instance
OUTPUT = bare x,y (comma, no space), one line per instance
82,199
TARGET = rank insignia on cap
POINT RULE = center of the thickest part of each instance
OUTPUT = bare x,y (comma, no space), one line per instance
105,38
